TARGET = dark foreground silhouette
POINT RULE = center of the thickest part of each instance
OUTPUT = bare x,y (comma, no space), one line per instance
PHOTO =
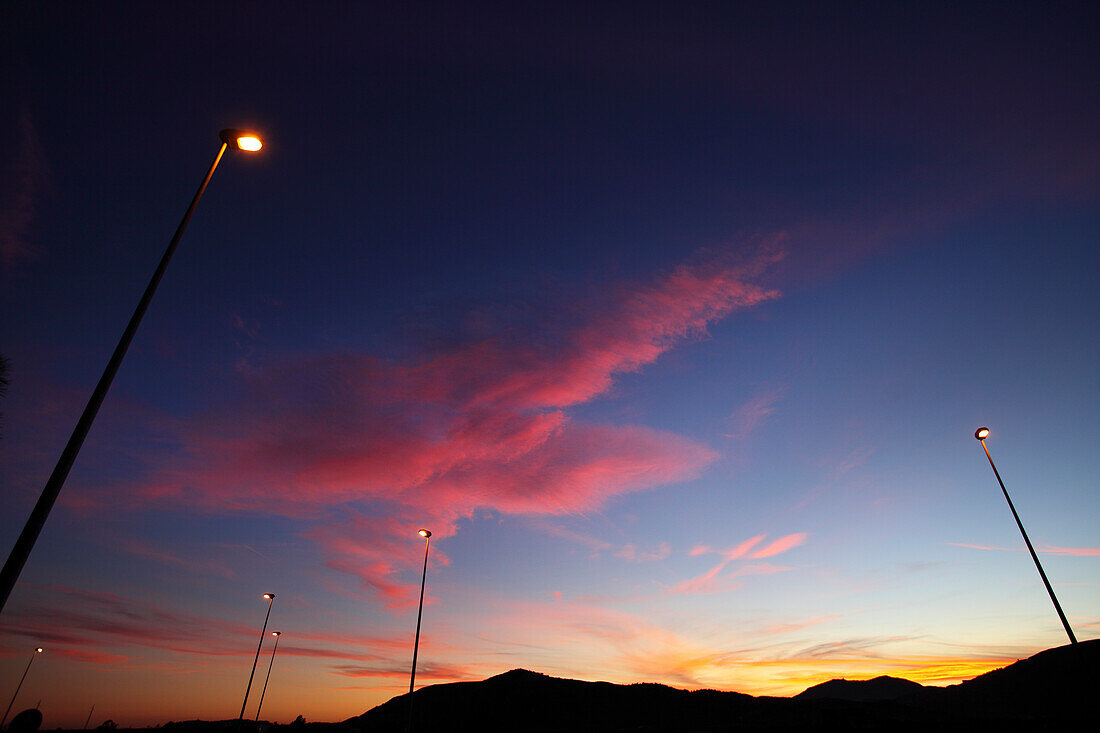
1053,690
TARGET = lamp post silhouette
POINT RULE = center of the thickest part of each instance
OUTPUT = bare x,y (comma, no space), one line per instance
14,566
270,664
427,535
37,650
981,434
270,601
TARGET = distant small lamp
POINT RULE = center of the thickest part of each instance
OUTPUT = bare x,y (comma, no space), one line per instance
37,650
270,664
981,434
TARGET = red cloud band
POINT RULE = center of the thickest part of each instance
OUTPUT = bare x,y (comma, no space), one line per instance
479,425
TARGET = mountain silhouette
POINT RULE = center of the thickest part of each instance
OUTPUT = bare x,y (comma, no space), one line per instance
880,688
1048,691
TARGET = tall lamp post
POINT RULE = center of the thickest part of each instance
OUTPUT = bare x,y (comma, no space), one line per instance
270,601
427,535
270,664
981,434
37,650
240,140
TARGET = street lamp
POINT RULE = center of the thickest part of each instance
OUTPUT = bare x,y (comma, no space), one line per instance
427,535
240,140
270,664
270,597
981,434
37,650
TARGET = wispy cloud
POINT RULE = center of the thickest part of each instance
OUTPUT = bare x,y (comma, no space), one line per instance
161,555
90,626
1075,551
371,449
633,553
780,545
751,415
427,671
980,547
595,544
718,580
1045,549
791,626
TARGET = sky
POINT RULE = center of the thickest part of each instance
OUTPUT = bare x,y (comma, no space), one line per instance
672,322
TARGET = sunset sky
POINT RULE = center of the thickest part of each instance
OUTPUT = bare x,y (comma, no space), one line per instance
672,322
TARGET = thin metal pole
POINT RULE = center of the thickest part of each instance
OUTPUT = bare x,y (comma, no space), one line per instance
1038,565
89,718
18,687
18,557
416,642
266,679
270,603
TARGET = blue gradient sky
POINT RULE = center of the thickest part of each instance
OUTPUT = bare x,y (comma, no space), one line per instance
674,323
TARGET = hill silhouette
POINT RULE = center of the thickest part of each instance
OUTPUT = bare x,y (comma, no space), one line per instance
880,688
1049,691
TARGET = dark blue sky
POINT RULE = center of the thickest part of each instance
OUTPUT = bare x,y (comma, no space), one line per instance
605,295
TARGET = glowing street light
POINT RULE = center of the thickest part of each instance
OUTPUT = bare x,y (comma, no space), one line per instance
240,140
270,598
270,664
37,650
981,434
427,535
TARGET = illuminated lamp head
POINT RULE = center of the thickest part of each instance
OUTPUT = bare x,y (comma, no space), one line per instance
242,140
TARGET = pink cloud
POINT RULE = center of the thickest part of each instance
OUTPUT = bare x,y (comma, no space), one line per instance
91,656
1045,549
786,628
979,547
751,415
708,582
742,549
556,530
633,553
780,545
1074,551
88,626
372,449
717,580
